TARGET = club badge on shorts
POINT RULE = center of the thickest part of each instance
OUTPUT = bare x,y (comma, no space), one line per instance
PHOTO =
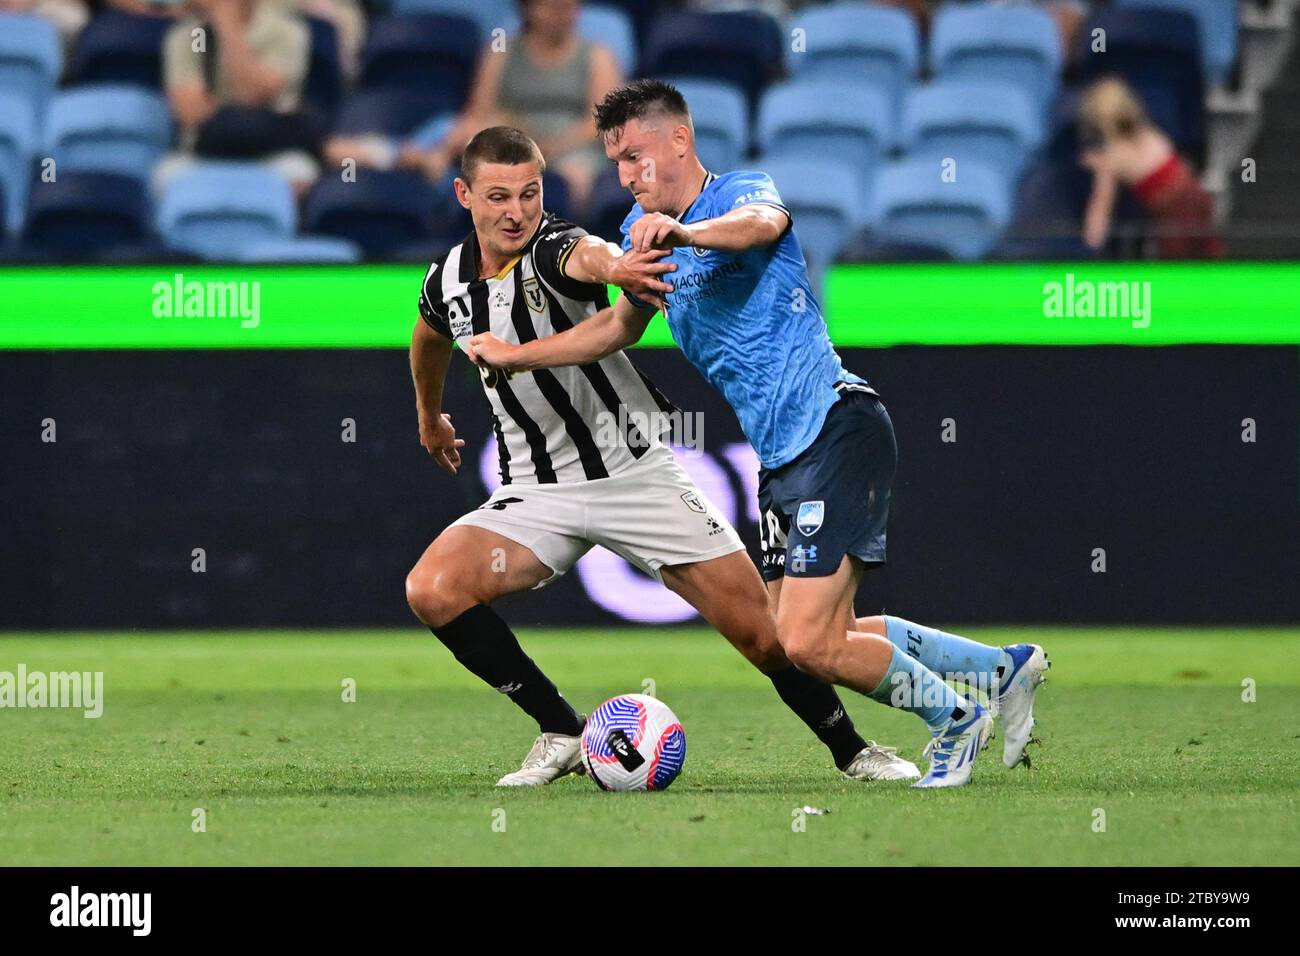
810,516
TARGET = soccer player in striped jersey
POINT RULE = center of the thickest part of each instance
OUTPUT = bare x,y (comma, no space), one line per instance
742,309
566,486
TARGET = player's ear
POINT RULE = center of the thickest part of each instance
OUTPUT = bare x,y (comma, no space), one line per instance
462,191
682,139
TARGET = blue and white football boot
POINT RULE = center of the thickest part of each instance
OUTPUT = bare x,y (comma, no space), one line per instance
1014,700
952,751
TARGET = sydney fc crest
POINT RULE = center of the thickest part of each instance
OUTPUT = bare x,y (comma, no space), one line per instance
810,516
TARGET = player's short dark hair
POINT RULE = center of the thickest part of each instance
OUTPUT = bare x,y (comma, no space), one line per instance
637,100
499,144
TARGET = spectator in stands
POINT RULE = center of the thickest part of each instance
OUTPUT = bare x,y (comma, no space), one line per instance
544,80
349,21
234,87
68,16
1124,148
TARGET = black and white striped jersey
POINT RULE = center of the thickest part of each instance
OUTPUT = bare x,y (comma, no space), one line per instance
552,425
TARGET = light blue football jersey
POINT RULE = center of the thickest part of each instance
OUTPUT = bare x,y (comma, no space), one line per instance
752,326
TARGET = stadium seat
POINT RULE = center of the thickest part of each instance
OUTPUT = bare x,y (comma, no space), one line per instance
301,249
118,47
488,15
744,47
910,202
421,52
555,192
391,112
885,250
216,209
720,116
879,46
110,129
1216,27
81,213
380,212
819,118
31,58
18,144
608,206
823,198
993,122
1158,53
1016,44
323,87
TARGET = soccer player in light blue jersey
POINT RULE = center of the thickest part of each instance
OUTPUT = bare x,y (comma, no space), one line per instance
740,306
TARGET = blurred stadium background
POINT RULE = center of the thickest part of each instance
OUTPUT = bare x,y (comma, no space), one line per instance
138,156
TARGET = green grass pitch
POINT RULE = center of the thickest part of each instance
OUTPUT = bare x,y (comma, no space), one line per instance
1148,726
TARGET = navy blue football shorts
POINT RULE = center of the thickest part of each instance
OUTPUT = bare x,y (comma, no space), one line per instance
833,499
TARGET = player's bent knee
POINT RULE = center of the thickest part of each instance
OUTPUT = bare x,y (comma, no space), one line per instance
809,650
436,596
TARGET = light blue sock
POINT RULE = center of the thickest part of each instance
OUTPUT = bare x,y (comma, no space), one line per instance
953,657
910,685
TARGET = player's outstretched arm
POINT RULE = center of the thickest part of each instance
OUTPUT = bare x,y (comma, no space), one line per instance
589,341
598,262
430,356
757,224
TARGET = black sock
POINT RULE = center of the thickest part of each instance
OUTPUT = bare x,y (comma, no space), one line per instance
488,649
819,707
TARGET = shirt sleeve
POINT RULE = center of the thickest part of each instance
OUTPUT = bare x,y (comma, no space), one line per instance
626,228
432,307
552,250
750,189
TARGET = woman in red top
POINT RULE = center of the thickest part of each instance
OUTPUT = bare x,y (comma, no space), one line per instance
1124,148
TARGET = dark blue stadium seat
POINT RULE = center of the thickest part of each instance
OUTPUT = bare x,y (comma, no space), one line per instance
391,112
608,206
323,88
555,192
1217,25
421,52
1158,53
380,212
121,47
742,47
81,214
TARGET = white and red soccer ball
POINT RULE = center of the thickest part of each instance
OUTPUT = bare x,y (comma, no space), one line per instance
633,742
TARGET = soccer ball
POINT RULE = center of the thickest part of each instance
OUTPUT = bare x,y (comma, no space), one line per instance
633,742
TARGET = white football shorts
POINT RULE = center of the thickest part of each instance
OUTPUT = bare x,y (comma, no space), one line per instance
651,514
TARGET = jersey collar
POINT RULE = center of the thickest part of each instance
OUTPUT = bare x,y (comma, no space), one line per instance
469,255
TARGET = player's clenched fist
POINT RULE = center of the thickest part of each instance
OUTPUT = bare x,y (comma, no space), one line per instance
655,230
439,439
488,351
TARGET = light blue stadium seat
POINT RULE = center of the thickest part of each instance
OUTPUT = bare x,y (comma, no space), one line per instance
31,58
18,143
822,196
110,129
989,122
217,209
1016,44
819,118
301,249
910,202
488,14
852,41
720,115
1216,25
